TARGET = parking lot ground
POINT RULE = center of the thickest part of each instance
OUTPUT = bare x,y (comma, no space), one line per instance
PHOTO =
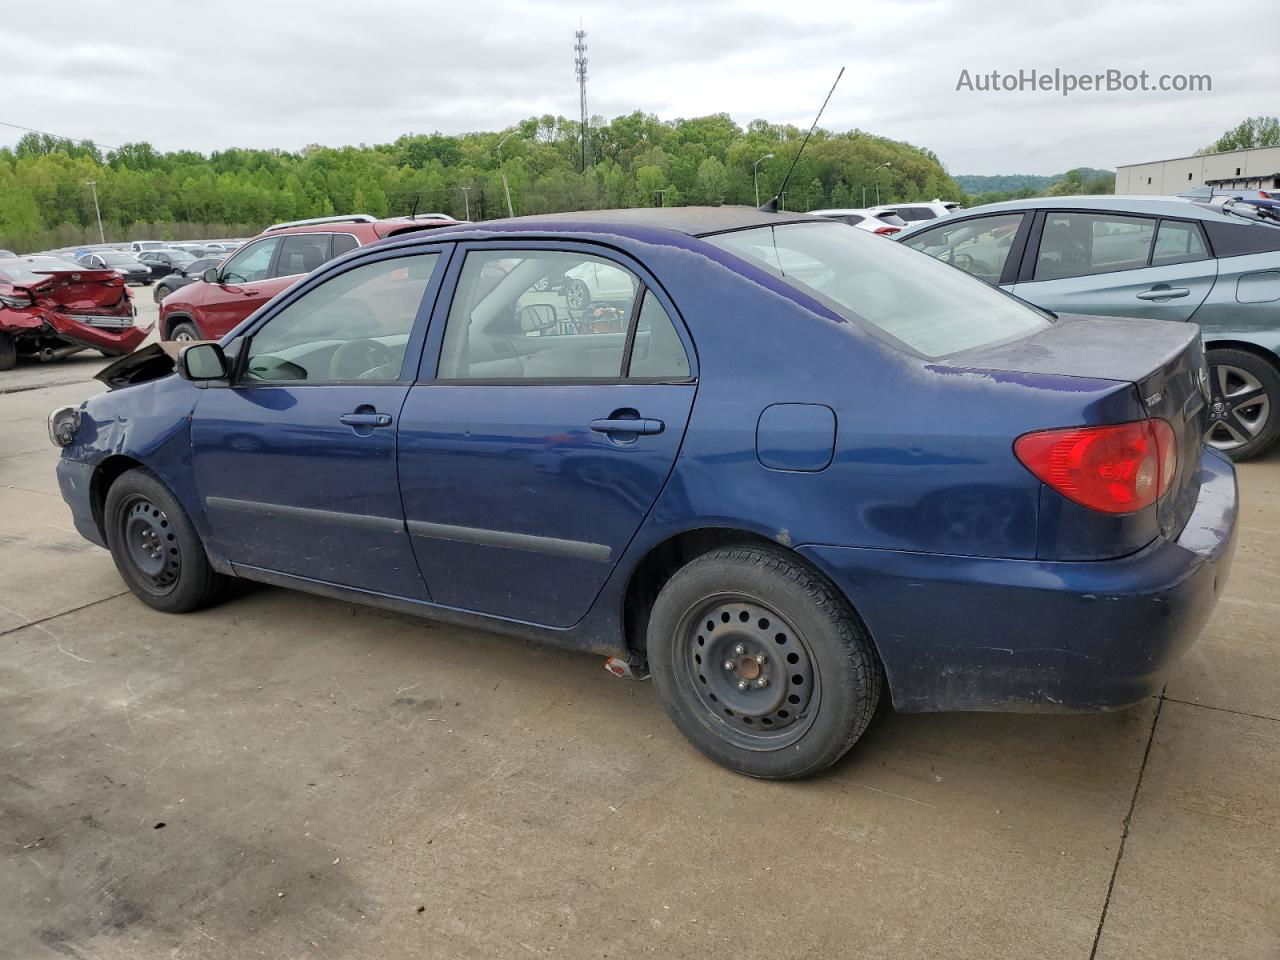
288,776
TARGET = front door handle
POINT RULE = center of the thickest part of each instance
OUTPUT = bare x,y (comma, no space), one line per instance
366,419
626,425
1164,293
250,293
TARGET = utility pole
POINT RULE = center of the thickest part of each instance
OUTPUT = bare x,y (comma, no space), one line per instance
503,167
466,201
102,237
755,174
864,196
580,69
662,196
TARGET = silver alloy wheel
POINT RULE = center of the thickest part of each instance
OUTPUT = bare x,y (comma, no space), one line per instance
184,336
1239,407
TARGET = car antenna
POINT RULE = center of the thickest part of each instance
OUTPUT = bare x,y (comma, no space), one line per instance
414,212
771,206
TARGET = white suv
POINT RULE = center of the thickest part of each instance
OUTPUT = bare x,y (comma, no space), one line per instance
921,210
884,222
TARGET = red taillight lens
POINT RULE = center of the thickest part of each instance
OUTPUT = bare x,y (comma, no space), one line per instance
887,231
1120,468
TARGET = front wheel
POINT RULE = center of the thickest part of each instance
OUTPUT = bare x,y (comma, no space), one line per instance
761,664
156,548
184,332
577,295
1244,403
161,291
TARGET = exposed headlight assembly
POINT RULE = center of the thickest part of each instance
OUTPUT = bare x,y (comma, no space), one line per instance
63,424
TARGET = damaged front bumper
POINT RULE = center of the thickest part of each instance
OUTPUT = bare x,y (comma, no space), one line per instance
974,633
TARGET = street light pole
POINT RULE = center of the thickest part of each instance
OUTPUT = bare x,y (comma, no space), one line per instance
94,184
755,174
878,169
503,167
466,201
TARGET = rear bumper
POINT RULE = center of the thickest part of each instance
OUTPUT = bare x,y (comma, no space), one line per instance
972,633
116,340
74,479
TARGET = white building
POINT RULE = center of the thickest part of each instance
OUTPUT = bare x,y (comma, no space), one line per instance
1256,168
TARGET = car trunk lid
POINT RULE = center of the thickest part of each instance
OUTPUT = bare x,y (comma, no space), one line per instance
79,291
1163,360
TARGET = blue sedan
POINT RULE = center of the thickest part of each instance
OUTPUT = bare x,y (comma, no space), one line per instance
788,467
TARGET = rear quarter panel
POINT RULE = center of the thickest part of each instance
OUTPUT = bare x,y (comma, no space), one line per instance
1224,317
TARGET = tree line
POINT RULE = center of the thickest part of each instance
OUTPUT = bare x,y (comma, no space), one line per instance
633,160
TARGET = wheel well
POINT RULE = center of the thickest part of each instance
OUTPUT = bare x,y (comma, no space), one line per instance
1260,352
663,560
108,472
166,330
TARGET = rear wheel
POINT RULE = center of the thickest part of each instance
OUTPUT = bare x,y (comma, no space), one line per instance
161,291
155,547
761,664
184,332
8,352
1244,405
577,295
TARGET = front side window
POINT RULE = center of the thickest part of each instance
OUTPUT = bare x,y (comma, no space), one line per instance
1178,242
252,263
538,314
979,247
1083,244
353,327
920,302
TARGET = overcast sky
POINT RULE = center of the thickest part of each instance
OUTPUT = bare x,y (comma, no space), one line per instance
279,73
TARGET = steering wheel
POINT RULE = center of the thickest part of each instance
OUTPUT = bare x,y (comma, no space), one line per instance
969,265
357,359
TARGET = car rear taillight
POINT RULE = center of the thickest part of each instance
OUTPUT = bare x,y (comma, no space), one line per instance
887,231
1120,468
114,281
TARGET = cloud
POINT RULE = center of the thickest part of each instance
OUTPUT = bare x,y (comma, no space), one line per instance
285,74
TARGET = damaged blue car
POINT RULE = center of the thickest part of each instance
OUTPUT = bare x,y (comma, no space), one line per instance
789,468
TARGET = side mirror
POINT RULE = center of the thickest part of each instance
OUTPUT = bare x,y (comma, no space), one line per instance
537,316
202,361
210,275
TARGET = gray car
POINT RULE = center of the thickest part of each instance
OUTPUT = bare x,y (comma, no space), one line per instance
1142,257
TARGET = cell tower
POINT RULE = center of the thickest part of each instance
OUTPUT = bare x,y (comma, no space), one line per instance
580,69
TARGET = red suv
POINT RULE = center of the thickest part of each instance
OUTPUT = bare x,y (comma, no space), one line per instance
269,264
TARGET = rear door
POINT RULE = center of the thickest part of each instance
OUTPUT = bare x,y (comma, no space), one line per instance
1117,265
532,451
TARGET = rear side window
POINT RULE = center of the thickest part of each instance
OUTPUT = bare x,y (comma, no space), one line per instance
853,219
302,253
343,243
1178,242
657,350
1241,239
1083,244
919,302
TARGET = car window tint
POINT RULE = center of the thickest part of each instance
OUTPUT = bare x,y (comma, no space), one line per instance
1081,244
354,326
302,253
252,263
922,303
1178,243
979,247
853,219
534,314
657,350
343,243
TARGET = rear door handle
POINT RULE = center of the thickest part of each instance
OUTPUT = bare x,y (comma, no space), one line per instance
366,419
1164,293
622,425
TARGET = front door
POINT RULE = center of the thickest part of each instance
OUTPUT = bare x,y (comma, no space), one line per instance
244,284
532,454
296,460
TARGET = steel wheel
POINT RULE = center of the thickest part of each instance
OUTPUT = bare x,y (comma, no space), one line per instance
1239,408
751,670
150,544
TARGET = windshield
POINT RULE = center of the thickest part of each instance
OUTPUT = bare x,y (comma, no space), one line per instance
928,306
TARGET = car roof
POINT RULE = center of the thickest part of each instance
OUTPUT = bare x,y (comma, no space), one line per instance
1116,203
691,221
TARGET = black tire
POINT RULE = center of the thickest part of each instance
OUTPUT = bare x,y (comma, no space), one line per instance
577,295
8,352
184,330
822,676
161,291
1244,403
155,547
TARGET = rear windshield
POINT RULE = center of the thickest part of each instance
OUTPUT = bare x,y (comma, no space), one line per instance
922,303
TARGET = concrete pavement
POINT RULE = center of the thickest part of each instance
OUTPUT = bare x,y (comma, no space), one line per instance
286,776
